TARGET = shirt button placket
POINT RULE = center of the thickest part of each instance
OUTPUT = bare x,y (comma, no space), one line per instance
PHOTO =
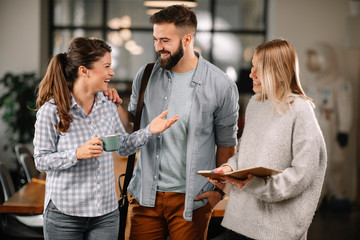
92,126
98,188
157,159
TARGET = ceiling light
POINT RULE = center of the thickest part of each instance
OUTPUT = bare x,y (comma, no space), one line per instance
152,11
164,4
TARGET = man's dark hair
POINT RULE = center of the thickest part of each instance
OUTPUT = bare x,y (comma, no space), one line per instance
180,15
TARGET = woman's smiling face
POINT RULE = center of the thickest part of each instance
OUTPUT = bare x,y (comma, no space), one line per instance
101,73
257,88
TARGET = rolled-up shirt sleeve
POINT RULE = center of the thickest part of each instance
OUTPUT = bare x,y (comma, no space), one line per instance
225,119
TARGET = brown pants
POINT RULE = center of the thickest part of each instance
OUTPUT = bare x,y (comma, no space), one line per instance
166,219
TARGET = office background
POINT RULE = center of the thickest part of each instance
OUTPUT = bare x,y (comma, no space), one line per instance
25,48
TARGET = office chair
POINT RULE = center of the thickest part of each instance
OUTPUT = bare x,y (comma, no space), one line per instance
16,226
28,164
19,149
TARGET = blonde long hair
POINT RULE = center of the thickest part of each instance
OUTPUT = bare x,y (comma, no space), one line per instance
278,70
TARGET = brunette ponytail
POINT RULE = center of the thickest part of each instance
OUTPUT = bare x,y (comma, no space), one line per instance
62,72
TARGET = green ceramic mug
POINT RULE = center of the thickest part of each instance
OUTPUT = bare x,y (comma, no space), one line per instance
110,143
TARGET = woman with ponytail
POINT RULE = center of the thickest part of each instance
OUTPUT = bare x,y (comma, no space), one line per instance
73,114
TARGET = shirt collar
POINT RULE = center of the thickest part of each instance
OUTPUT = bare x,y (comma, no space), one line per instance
99,97
195,78
73,102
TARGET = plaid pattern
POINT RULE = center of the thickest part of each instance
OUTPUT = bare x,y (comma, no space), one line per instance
84,187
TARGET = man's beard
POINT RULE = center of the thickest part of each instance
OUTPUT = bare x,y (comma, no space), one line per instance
171,62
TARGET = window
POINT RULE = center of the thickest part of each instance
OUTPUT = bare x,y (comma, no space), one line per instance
228,32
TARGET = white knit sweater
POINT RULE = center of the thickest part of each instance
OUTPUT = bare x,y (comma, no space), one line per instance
282,206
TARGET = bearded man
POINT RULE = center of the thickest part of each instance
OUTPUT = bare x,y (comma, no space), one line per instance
167,197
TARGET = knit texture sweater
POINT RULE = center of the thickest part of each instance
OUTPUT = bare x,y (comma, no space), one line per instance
283,205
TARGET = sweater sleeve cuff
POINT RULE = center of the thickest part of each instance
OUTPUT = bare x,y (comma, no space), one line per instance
254,183
232,162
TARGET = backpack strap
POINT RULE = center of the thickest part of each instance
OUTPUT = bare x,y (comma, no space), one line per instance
123,202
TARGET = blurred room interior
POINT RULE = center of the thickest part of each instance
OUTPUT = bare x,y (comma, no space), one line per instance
228,31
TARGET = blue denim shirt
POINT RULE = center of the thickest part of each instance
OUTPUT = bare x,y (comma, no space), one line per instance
213,122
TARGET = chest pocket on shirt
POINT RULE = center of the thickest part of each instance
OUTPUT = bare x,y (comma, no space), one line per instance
153,105
207,118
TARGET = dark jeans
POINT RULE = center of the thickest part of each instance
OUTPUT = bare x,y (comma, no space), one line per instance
231,235
59,226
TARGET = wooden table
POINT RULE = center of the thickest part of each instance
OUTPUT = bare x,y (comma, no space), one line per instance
219,209
29,199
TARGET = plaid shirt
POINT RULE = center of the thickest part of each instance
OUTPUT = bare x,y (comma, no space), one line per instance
84,187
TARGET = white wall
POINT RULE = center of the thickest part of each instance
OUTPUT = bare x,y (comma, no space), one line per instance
306,22
20,36
19,48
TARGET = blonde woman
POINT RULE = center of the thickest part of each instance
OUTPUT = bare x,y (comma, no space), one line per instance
280,132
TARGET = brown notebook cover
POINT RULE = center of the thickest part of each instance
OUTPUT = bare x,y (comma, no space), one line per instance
241,174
